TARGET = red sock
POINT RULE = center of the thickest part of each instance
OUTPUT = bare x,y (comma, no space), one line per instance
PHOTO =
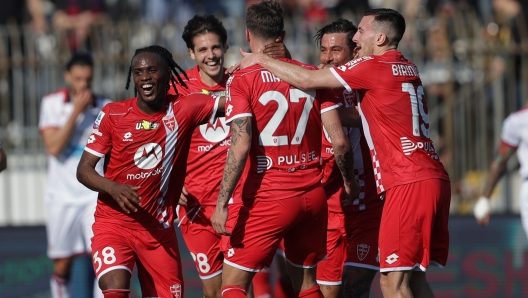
261,284
283,288
116,293
233,292
313,292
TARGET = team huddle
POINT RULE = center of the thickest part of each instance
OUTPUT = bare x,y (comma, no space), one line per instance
330,166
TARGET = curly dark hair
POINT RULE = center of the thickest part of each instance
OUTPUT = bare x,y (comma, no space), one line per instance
167,57
201,24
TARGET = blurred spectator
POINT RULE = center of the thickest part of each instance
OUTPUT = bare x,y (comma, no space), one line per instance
77,17
159,12
14,10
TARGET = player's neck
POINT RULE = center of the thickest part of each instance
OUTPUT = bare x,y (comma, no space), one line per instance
153,107
211,81
257,45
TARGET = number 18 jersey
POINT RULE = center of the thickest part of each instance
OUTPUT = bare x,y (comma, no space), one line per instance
395,118
286,137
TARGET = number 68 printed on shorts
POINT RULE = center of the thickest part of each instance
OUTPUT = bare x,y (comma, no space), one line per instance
108,254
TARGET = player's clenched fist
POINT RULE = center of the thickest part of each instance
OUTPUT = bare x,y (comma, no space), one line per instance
126,196
352,190
219,220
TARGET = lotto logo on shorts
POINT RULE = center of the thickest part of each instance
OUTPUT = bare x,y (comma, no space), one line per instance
391,259
230,252
176,290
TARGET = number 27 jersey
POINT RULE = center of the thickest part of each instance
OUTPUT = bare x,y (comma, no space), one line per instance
286,137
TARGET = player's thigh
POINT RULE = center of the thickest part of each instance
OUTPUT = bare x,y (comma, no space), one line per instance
159,263
362,238
439,237
112,251
305,242
407,222
330,270
64,230
203,244
258,230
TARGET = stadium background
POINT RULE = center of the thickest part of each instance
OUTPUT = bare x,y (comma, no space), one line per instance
473,59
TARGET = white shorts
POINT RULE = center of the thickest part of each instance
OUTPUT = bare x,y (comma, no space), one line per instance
69,228
524,205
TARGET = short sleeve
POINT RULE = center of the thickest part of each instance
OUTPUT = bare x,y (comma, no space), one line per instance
200,107
510,132
358,74
50,114
99,142
237,99
329,101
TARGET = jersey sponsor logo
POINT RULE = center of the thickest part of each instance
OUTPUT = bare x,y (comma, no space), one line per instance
207,148
268,77
263,163
91,139
362,251
215,132
297,159
408,147
144,175
176,290
229,110
147,125
392,259
148,156
353,63
96,132
98,120
127,137
170,122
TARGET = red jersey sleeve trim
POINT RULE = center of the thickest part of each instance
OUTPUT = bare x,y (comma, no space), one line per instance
337,105
340,79
91,151
239,116
503,143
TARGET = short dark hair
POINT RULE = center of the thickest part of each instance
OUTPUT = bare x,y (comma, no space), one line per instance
391,21
264,19
81,59
339,26
165,56
201,24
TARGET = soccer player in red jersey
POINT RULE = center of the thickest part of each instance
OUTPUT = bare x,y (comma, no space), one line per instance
352,235
278,128
406,167
206,38
145,141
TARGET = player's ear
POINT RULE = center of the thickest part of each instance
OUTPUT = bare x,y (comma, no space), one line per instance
248,36
191,53
381,39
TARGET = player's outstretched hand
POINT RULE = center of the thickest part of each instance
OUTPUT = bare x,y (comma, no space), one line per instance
219,220
183,197
352,190
126,197
482,211
249,59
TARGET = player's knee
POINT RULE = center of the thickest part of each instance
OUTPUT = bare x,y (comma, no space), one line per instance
395,283
115,279
210,292
234,292
116,293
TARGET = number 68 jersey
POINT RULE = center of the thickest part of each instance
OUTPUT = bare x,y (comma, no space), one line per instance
286,137
395,118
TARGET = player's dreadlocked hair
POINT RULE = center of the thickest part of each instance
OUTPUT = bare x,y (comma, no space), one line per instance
165,54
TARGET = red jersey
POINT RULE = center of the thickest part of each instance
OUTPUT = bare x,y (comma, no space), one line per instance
395,118
286,122
148,151
209,144
332,178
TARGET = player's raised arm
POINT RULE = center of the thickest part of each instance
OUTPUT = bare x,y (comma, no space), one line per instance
292,74
236,160
343,153
125,195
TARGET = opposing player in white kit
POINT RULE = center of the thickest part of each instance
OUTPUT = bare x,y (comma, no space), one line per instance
66,120
513,139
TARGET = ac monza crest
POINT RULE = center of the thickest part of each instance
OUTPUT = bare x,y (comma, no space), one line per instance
176,290
170,122
362,251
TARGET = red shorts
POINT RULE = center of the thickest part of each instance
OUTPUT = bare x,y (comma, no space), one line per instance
412,213
362,229
155,252
262,223
330,270
201,239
